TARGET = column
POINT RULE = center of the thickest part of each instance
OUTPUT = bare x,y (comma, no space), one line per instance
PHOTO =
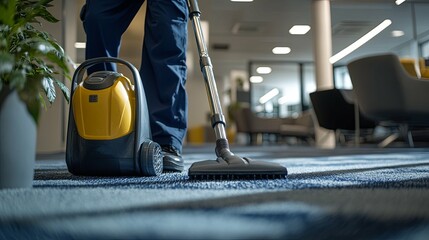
322,45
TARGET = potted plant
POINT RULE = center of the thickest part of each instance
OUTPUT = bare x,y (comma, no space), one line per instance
31,61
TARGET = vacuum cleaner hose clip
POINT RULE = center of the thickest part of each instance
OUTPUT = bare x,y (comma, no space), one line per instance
217,119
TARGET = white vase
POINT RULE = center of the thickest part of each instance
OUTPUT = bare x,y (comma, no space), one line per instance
17,143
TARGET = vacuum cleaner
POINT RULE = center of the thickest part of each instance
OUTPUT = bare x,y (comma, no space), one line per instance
227,165
109,131
108,127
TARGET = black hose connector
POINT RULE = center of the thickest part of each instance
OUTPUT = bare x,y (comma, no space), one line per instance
222,148
193,8
223,152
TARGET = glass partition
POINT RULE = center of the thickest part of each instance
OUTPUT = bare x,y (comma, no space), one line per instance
280,89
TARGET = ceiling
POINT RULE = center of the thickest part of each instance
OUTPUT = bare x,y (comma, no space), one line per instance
243,32
265,24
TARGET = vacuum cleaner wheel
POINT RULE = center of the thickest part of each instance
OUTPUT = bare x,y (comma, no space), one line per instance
151,158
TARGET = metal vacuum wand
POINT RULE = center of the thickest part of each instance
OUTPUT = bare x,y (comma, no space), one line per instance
217,118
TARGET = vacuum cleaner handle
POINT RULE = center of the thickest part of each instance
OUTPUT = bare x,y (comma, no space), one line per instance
81,70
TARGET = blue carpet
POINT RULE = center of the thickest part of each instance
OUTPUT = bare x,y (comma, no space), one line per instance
339,194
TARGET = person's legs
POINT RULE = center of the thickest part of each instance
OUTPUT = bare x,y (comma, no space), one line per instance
163,71
104,23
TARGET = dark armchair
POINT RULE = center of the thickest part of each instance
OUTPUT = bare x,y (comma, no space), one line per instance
335,110
387,93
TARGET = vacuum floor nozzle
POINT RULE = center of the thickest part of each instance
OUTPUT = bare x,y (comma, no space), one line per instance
236,168
229,166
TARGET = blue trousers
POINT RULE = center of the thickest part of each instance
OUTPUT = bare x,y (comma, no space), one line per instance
163,63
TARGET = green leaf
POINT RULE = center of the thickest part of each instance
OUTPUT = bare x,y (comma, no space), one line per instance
7,9
58,58
58,47
64,89
17,79
45,14
7,62
32,98
33,107
49,88
40,45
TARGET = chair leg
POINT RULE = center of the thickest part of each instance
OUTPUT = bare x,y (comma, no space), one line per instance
410,139
388,140
403,132
406,133
251,138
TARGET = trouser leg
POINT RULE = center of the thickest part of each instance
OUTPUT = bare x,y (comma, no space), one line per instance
104,22
163,69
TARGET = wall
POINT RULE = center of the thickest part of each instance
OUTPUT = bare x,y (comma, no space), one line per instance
52,122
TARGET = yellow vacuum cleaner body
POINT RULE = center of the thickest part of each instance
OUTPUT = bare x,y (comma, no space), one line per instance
104,106
108,131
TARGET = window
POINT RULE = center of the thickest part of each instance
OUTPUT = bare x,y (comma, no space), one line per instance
342,78
284,89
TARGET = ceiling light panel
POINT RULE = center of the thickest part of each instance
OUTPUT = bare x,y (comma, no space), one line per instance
299,29
397,33
263,70
361,41
399,2
256,79
281,50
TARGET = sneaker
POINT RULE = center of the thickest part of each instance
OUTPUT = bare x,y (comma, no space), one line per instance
173,161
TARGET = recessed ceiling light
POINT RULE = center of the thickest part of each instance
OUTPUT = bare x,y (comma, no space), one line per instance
397,33
398,2
281,50
256,79
299,29
263,70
